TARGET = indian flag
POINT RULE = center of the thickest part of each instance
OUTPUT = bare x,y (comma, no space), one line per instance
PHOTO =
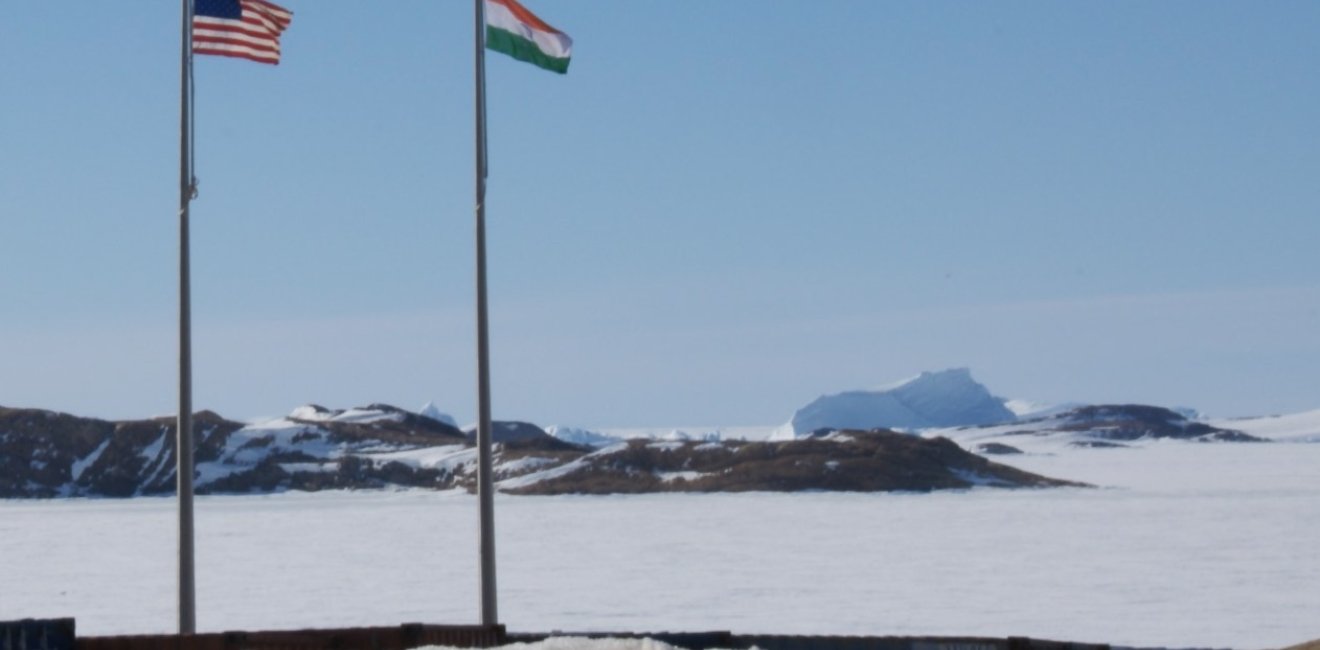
513,30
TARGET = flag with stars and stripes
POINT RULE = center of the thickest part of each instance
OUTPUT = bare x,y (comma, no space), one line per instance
246,29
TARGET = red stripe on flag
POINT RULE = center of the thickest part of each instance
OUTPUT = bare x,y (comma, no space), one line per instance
212,33
205,46
521,13
240,54
276,12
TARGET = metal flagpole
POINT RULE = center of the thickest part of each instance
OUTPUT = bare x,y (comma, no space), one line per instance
485,484
184,447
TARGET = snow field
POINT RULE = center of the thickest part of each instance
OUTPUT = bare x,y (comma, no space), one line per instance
1187,544
1294,427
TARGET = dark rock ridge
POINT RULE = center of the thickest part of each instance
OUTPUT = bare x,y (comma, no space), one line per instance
518,432
997,449
846,461
47,454
1116,423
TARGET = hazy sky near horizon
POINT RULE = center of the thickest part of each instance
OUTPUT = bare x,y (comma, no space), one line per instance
724,209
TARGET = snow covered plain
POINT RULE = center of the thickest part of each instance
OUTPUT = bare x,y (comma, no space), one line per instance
1186,544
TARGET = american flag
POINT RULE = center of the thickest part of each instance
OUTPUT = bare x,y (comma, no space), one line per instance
247,29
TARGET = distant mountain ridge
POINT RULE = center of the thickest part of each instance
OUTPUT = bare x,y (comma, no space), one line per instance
45,454
49,454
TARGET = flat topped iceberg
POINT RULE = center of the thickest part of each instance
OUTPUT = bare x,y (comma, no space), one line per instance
948,398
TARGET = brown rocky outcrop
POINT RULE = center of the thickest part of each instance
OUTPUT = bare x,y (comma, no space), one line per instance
848,461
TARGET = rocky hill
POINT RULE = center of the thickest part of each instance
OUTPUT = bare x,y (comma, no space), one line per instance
847,461
1128,422
1098,426
47,454
44,454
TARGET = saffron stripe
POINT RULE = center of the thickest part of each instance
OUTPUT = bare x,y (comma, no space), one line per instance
523,15
553,43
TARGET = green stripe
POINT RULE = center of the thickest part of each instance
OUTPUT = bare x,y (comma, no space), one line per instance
523,50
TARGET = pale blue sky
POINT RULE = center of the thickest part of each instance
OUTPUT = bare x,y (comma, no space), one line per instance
725,209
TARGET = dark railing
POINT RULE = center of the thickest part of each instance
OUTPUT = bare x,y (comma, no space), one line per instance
49,634
402,637
708,640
